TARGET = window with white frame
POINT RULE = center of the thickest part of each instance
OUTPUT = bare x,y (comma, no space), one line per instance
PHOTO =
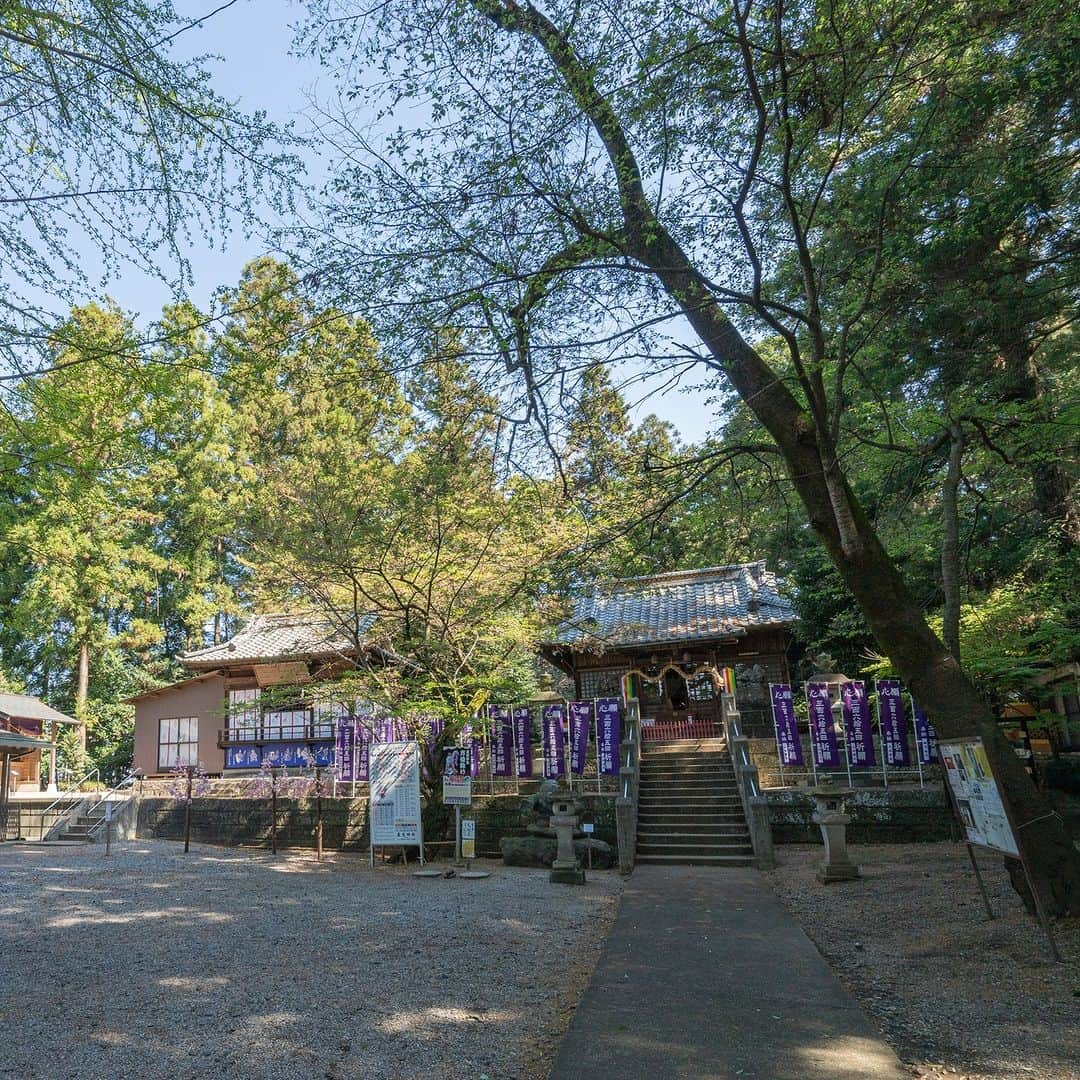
244,713
178,741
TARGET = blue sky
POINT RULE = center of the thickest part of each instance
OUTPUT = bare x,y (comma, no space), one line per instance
253,40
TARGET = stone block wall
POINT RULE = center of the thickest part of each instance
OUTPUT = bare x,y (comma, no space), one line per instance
246,822
879,816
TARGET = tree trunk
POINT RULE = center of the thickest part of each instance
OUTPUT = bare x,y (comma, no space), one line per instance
82,691
950,543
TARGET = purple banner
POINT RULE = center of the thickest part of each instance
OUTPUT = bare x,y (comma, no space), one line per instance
473,742
580,722
858,730
502,763
891,724
364,739
522,721
554,742
607,736
925,736
788,743
822,731
345,751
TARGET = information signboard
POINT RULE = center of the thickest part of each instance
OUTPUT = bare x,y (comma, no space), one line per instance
975,792
395,795
457,776
468,838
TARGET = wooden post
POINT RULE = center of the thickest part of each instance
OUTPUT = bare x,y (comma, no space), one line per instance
318,815
187,810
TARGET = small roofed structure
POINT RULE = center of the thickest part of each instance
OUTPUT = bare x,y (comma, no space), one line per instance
26,715
677,639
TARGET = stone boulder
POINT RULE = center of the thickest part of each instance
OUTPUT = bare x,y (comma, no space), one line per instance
539,852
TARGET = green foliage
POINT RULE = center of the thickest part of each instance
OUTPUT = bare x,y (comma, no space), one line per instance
1063,774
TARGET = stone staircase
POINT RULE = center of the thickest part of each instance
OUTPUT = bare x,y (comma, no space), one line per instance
689,810
87,827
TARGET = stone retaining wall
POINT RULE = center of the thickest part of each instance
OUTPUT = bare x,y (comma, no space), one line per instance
246,822
879,816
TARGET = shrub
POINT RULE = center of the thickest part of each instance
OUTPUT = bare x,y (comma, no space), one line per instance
1064,774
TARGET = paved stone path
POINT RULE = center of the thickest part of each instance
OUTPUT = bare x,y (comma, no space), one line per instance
706,977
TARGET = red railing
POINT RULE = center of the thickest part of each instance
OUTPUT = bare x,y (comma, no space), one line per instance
667,730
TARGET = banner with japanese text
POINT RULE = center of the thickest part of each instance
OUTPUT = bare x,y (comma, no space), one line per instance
502,764
823,744
607,736
345,750
926,740
554,742
523,760
580,722
891,724
858,728
363,740
788,743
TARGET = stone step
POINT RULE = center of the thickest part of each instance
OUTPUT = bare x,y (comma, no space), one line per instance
655,848
705,821
668,791
660,845
689,775
688,757
704,833
664,768
696,860
693,798
683,746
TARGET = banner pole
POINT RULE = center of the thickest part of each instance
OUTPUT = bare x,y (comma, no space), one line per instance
847,737
596,742
881,737
918,745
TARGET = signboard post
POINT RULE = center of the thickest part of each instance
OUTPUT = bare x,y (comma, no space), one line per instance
394,801
984,816
457,788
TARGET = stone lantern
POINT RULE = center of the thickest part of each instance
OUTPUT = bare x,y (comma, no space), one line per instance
830,813
563,821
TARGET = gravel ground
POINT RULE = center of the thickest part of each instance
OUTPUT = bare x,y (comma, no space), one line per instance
955,994
226,963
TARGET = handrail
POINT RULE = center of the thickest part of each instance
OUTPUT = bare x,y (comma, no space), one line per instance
68,793
128,780
753,802
73,790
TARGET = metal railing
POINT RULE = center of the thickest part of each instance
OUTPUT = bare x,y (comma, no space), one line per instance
626,803
67,795
754,804
128,781
262,732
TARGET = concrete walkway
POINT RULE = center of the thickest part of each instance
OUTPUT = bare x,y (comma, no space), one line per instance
705,977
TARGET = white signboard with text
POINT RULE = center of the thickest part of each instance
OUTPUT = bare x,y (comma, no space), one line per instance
395,794
976,794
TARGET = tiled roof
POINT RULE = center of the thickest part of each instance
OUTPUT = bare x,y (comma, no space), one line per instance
689,605
280,636
25,707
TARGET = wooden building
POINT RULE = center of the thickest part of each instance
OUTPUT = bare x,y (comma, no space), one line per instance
245,700
678,638
23,714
